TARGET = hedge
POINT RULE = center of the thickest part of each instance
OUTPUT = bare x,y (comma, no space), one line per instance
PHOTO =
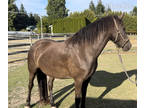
69,25
72,25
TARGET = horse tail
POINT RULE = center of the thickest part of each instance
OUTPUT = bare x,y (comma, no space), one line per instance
42,84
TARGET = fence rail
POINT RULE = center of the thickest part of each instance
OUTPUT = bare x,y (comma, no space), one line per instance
20,42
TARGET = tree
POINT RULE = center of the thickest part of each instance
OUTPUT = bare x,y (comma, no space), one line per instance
32,20
11,1
92,7
22,9
109,9
12,8
134,11
36,17
22,19
100,9
56,9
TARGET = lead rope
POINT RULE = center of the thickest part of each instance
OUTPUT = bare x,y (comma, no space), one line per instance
124,69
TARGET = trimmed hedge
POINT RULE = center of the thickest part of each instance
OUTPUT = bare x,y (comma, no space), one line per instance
72,25
69,25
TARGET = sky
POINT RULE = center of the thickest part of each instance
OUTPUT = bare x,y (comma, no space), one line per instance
38,6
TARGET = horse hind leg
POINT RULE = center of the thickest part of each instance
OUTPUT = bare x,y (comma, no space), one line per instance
30,86
42,84
50,87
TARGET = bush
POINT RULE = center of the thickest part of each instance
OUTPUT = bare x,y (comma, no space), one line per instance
65,25
69,25
74,24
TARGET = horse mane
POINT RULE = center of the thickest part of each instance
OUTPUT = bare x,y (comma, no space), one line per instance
92,30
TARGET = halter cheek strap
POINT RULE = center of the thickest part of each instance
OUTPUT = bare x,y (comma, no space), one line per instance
119,34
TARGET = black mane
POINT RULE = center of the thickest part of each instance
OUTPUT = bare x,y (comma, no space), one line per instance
91,31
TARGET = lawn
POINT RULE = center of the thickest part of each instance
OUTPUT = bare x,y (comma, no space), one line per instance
108,88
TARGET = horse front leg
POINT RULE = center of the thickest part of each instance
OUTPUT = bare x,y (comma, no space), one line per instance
84,91
78,94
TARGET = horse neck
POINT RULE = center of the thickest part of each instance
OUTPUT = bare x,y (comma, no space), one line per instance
98,45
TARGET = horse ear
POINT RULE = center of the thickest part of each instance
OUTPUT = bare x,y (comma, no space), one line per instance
121,16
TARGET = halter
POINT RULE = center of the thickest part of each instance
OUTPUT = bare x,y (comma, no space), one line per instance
120,58
119,34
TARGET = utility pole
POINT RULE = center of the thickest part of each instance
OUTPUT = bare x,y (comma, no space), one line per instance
41,27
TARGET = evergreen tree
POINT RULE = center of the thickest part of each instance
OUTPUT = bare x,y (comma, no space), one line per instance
32,20
134,11
92,7
109,9
11,1
21,21
56,9
22,9
36,17
100,9
12,8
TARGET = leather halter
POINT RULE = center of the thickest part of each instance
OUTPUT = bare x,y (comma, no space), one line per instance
119,34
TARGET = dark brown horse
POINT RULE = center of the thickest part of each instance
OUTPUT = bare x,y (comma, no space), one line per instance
74,58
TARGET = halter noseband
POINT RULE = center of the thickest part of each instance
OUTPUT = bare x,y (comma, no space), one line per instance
119,34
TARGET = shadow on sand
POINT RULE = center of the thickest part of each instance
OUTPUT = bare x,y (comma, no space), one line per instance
109,103
109,80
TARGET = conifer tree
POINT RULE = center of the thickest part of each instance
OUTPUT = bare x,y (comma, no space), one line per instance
57,9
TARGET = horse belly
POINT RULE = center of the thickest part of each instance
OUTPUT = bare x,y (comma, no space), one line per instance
54,69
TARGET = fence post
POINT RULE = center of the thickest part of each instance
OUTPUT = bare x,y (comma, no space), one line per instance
31,38
65,36
51,26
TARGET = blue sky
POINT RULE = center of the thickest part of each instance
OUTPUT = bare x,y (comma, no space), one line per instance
38,6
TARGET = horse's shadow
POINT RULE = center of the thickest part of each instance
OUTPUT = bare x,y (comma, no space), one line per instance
60,92
109,80
108,103
99,79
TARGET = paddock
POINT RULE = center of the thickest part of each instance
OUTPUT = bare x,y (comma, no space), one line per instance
122,93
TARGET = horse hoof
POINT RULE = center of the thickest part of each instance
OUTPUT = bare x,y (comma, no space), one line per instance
26,106
53,107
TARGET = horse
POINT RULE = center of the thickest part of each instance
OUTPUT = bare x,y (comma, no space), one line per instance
74,58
